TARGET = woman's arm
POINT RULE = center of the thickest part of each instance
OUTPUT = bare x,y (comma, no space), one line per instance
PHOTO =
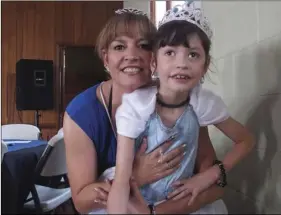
81,159
119,193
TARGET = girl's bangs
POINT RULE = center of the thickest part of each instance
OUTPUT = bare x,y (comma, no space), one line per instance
176,34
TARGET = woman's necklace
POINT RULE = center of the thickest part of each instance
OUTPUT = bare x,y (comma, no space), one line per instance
108,109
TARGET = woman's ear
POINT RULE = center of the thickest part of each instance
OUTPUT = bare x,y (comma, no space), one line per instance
153,64
105,57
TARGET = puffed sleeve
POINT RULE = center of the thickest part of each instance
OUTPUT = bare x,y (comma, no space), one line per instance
134,112
209,107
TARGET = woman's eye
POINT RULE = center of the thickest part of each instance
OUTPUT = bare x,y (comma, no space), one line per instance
170,53
119,47
146,46
193,55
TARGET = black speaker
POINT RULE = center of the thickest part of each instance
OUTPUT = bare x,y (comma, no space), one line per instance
34,84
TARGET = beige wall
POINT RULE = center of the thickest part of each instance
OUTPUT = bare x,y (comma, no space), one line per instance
247,74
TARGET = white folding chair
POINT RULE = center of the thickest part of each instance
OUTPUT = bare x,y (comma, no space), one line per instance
60,131
20,131
52,163
4,149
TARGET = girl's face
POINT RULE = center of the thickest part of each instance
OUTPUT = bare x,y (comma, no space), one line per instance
128,61
180,68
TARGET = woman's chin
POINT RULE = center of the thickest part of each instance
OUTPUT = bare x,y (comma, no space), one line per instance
134,82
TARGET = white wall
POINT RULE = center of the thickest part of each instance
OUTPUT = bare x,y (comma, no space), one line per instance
247,74
143,5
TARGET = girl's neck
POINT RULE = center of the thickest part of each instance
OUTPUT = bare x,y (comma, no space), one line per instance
169,116
172,97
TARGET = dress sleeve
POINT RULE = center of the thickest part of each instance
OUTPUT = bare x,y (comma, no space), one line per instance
134,112
209,107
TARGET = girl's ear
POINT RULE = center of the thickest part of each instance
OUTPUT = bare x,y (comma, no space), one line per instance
207,64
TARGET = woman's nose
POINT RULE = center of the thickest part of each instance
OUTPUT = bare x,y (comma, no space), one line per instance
132,57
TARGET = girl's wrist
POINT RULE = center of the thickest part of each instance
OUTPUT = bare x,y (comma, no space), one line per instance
215,172
221,181
135,208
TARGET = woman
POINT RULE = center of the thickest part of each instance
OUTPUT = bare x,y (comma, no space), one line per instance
125,48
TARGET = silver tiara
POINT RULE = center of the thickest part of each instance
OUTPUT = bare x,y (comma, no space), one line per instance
130,10
190,13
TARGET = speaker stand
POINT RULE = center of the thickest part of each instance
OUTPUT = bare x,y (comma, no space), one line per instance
37,116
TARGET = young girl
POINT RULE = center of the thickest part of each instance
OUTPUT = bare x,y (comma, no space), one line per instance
175,110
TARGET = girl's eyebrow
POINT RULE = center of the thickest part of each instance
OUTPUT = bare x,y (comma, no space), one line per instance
194,48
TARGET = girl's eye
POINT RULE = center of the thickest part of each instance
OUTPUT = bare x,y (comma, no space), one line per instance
193,55
170,53
119,47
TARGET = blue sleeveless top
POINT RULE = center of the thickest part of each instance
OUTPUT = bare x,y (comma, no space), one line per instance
90,115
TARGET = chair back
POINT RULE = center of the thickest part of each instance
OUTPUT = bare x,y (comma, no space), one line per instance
53,159
60,131
20,131
4,149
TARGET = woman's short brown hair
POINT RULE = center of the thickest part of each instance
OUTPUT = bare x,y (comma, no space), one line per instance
128,24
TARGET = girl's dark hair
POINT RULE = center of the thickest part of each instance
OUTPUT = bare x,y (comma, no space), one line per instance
177,33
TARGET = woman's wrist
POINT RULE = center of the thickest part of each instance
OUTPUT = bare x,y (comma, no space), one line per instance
139,179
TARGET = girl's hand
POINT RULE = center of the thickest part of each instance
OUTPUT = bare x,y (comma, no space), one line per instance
136,204
158,163
194,185
101,192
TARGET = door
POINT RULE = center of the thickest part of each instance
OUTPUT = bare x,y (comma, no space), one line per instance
81,68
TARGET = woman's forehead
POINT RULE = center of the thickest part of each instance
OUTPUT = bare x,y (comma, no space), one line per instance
132,29
128,38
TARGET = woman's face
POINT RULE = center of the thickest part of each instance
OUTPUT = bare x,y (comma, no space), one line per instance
128,61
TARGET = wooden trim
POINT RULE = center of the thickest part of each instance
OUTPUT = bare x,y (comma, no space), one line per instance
168,5
152,11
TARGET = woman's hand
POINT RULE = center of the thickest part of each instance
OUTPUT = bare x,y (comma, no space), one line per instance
193,186
101,192
158,163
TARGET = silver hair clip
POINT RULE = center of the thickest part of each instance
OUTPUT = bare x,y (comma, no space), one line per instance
130,10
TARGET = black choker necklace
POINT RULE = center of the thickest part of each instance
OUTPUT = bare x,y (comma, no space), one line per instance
163,104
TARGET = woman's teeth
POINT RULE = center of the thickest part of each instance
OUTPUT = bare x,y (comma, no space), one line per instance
131,70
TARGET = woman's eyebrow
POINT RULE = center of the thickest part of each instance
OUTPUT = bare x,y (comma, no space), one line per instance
119,40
